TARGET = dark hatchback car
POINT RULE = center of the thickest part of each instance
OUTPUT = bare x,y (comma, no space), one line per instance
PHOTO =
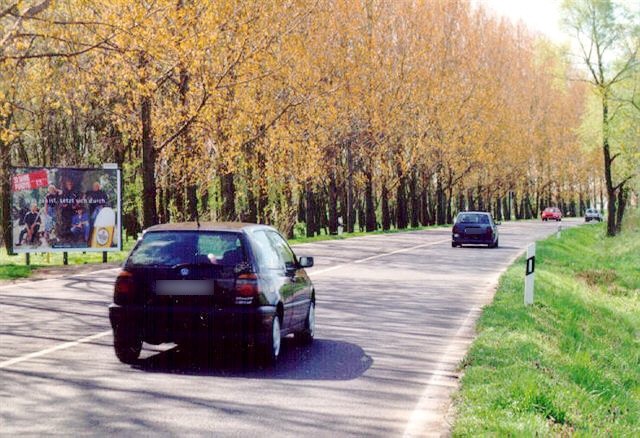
474,228
203,283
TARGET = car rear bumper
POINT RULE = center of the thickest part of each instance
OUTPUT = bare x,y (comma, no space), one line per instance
472,241
156,324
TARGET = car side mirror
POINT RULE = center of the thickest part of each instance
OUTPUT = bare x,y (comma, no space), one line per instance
305,262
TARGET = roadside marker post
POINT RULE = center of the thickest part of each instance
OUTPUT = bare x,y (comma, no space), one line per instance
559,233
529,274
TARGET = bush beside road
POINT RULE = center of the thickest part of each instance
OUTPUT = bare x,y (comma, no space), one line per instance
571,362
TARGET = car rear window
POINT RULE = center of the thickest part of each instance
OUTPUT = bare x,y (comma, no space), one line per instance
473,218
169,248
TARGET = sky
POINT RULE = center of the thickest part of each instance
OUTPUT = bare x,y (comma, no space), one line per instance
539,15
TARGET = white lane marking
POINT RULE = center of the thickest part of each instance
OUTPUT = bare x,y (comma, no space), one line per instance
333,268
402,250
15,360
36,282
423,413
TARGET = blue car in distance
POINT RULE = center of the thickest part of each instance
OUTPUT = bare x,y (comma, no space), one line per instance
474,228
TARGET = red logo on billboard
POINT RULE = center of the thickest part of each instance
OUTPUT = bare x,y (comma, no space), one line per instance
30,181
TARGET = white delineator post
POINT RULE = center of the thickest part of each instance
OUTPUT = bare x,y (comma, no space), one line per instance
529,274
559,233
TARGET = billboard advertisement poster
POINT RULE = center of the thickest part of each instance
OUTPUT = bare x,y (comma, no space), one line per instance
55,209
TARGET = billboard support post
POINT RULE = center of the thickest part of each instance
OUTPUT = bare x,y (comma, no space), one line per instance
104,256
27,258
65,258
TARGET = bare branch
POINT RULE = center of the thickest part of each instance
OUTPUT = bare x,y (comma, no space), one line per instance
186,124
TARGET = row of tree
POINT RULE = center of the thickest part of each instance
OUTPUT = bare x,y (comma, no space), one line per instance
383,113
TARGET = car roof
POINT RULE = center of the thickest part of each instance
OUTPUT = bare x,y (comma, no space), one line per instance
475,212
207,226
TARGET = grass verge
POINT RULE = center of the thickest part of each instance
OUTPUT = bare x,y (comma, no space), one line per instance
569,364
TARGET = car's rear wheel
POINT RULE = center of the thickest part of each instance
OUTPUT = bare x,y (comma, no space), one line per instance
271,349
306,336
127,346
453,244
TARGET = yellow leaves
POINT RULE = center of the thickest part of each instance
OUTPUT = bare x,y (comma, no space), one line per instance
289,87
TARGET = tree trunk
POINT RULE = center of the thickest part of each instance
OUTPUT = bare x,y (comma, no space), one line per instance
623,195
178,204
449,202
386,215
192,202
350,217
415,201
506,207
362,220
440,207
149,190
204,202
370,212
5,195
310,215
401,204
252,207
611,192
333,205
228,192
424,208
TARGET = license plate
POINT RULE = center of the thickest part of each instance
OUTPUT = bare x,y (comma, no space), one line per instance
473,231
184,287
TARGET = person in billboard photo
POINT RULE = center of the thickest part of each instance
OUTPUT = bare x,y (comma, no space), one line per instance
31,226
50,206
80,224
97,200
67,202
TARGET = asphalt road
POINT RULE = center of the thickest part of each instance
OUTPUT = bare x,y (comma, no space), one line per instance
395,315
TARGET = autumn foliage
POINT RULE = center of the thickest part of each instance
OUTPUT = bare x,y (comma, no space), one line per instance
384,113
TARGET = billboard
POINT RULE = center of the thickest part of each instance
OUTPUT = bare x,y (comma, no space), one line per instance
55,209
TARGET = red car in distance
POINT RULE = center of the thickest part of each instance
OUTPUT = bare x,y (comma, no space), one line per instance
551,214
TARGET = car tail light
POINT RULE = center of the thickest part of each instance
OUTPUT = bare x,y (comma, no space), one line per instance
247,285
456,229
123,290
489,232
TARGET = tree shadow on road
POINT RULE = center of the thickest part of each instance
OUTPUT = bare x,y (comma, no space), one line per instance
323,360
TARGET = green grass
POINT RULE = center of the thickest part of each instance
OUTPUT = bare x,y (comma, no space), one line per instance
569,364
13,267
318,238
